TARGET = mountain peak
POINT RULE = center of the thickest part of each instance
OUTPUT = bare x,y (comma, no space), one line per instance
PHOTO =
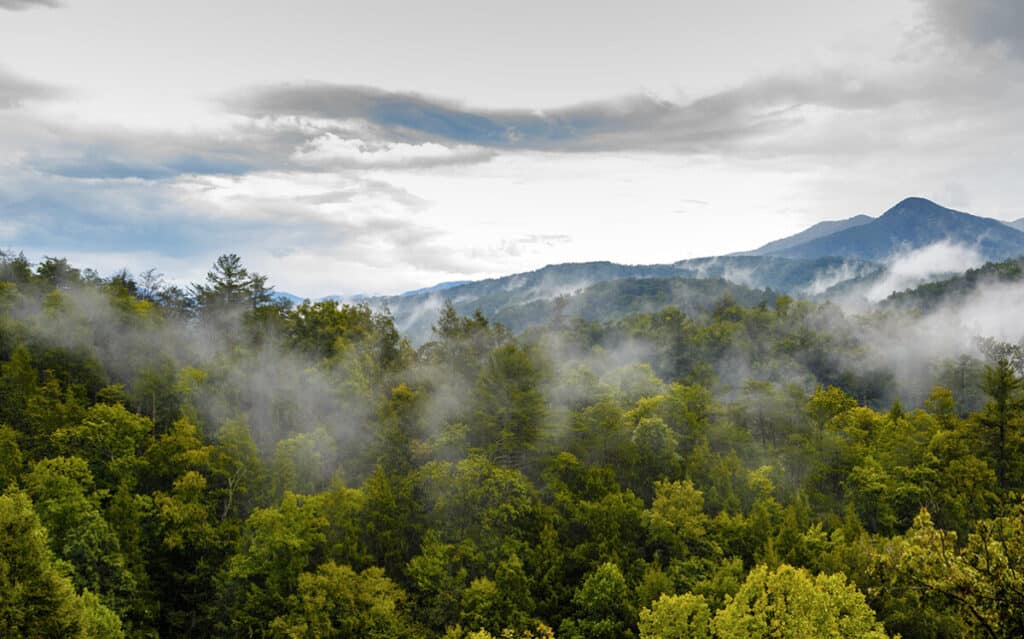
913,223
917,207
915,201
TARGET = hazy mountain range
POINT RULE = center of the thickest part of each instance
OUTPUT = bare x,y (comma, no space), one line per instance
861,259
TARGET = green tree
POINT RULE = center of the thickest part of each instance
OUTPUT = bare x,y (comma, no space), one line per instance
337,602
788,603
982,580
676,617
657,458
439,578
229,285
676,523
110,438
603,609
62,489
510,407
10,456
1002,416
36,599
278,545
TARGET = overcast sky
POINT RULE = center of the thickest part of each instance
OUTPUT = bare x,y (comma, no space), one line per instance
344,147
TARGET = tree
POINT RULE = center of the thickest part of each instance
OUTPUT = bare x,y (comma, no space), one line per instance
827,403
510,406
1002,416
676,522
656,454
109,437
603,609
278,545
36,599
230,286
788,603
676,617
337,602
10,456
189,552
438,576
982,580
62,489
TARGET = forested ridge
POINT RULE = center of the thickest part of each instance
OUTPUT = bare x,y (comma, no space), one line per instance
214,462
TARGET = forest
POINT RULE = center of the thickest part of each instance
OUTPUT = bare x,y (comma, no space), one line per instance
212,461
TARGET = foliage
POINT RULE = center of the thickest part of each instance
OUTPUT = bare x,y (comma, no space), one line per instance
213,462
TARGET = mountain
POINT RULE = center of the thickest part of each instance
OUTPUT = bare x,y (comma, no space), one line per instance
821,229
443,286
785,275
914,223
1017,224
416,312
840,259
525,299
616,299
284,296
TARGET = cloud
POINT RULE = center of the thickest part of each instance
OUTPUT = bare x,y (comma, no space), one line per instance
310,231
332,150
912,268
15,90
242,146
981,23
19,5
639,122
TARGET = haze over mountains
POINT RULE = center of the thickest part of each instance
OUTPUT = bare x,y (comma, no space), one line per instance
858,261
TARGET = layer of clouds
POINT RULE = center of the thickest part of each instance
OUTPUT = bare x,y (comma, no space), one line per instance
332,150
639,122
19,5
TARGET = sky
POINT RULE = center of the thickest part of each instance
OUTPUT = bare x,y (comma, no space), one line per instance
376,147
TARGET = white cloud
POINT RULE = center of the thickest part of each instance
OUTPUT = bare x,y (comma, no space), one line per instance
332,150
910,269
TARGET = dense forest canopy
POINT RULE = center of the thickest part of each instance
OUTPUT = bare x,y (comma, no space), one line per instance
213,461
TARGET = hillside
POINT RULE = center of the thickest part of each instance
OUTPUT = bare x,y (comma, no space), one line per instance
526,299
957,289
792,276
612,300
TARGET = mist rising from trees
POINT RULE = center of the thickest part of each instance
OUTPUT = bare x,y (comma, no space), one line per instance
211,461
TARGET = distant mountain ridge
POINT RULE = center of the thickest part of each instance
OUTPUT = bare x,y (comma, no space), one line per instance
821,229
929,296
1017,224
520,299
361,297
913,223
838,259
